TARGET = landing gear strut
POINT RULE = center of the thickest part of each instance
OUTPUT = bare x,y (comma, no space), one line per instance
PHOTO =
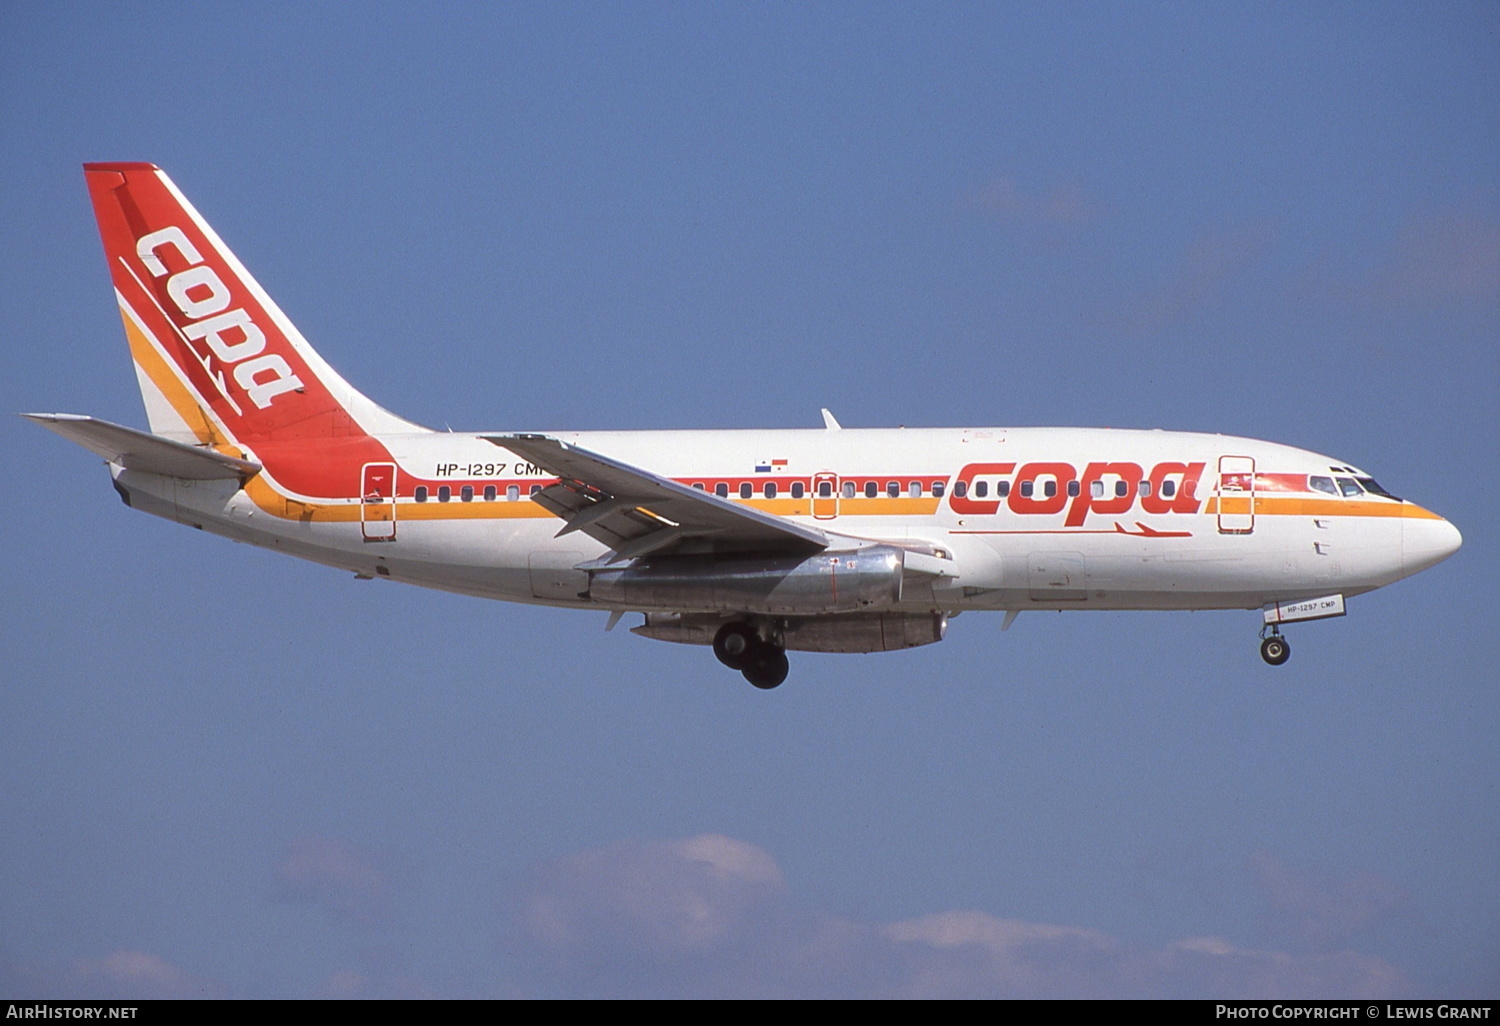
1274,649
739,646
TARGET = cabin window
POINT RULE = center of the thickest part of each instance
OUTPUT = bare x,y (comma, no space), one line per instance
893,488
698,485
466,493
444,493
1168,488
848,489
981,489
914,489
721,490
871,489
960,489
1049,487
825,489
1122,489
746,490
769,491
1027,487
534,489
797,489
1002,489
1145,489
1073,488
420,494
1349,487
512,493
491,493
1096,489
937,489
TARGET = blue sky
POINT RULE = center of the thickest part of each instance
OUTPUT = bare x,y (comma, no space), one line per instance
229,773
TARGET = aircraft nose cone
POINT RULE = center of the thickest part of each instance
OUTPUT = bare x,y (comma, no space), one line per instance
1426,543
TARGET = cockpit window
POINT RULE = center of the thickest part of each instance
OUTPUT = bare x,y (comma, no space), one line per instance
1374,488
1349,487
1322,484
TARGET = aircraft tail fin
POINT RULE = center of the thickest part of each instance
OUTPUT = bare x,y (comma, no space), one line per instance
217,360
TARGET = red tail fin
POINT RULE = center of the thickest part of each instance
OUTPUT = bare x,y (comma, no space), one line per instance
212,351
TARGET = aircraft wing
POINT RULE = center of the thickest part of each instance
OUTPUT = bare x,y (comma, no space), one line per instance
137,450
636,512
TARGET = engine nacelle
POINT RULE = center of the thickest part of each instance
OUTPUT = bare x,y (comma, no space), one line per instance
872,632
850,632
830,582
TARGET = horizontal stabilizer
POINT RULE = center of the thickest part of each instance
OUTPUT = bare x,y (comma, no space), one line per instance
137,450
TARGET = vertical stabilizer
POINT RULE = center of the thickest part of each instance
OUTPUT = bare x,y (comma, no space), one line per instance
216,358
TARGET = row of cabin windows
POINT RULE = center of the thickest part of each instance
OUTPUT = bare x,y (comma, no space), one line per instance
1345,486
1049,488
466,493
769,490
916,489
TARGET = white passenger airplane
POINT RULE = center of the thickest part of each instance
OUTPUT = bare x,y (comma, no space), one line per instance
754,542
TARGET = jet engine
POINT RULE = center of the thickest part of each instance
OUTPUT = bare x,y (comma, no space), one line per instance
850,632
829,582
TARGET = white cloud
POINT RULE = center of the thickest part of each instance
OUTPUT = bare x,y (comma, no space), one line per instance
1439,258
710,916
1004,200
335,875
1436,259
1207,265
119,976
657,899
1322,909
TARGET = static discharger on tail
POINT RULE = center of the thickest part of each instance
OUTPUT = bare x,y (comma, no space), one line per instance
752,542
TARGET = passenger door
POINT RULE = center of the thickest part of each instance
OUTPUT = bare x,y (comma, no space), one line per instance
377,505
1235,494
825,495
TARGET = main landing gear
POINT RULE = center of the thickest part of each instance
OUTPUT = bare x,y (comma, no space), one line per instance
739,646
1274,649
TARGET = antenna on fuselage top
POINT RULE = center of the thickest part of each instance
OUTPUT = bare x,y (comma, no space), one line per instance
830,422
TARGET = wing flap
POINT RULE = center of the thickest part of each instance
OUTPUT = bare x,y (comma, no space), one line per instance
634,511
137,450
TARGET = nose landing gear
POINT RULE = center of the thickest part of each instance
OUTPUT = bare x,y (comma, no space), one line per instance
1274,649
739,646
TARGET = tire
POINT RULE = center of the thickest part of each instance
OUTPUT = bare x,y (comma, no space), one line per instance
767,667
1275,650
734,644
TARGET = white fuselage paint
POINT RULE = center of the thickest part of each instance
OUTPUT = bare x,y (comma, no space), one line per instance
1005,559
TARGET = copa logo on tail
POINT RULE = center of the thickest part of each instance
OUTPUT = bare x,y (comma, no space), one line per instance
230,335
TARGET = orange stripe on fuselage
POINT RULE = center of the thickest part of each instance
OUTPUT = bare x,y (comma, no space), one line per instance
1317,507
271,500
